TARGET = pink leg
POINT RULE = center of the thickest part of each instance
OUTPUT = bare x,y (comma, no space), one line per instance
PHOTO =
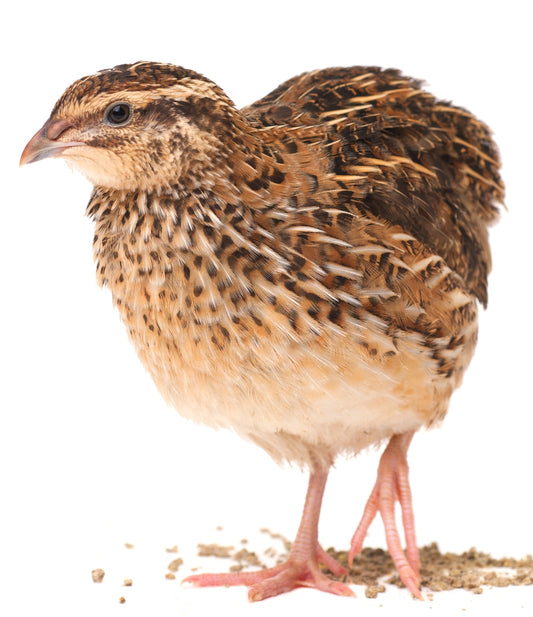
301,568
392,485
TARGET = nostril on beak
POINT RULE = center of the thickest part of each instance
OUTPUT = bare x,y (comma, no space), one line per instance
55,128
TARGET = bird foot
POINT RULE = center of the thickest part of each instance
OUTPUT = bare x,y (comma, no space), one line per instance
392,485
293,573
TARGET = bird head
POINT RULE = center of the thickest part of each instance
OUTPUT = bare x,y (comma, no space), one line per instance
142,126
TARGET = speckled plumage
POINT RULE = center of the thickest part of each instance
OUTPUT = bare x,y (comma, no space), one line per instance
305,270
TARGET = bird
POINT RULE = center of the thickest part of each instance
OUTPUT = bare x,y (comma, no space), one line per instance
305,271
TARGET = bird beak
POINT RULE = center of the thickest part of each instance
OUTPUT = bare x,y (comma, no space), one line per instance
46,142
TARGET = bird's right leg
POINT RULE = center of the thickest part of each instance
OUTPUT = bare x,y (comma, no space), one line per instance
301,568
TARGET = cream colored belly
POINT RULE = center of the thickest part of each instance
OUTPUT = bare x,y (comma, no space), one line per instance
300,402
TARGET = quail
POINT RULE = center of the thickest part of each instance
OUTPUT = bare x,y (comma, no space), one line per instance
305,271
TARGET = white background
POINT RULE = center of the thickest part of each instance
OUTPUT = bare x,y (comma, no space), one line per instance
90,455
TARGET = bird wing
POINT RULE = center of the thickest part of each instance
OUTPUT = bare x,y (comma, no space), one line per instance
398,155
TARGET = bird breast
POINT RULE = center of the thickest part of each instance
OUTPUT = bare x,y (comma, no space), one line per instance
229,346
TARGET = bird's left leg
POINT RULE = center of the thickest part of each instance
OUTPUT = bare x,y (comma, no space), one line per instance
392,485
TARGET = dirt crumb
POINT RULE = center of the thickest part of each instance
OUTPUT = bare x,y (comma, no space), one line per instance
215,550
98,575
372,590
174,565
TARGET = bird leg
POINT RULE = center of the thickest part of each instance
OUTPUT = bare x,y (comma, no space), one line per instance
301,568
392,485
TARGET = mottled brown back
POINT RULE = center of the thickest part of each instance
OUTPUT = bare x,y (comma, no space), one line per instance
423,164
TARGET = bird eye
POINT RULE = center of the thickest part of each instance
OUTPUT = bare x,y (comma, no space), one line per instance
118,114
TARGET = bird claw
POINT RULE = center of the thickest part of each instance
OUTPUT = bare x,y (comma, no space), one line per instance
392,485
330,562
412,582
292,576
280,579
